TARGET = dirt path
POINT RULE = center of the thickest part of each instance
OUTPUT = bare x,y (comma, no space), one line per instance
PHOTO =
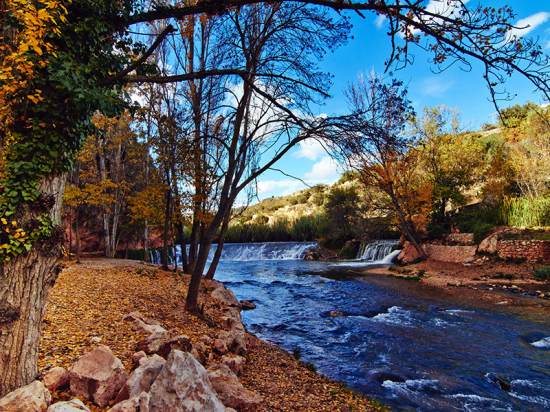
89,301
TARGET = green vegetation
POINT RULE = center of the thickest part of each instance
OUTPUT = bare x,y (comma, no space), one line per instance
542,273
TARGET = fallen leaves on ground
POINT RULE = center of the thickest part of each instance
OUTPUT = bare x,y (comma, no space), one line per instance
89,301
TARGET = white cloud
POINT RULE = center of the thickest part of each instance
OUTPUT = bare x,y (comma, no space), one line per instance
435,86
530,23
325,168
310,149
379,22
287,186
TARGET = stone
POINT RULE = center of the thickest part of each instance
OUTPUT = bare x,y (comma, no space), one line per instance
31,398
408,254
235,362
162,344
199,356
141,378
498,381
234,341
136,357
230,391
183,385
136,404
226,296
200,346
139,326
247,305
96,339
56,378
463,239
336,314
207,340
456,254
138,315
98,376
489,245
74,405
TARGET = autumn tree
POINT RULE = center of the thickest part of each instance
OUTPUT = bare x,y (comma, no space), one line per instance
61,61
378,144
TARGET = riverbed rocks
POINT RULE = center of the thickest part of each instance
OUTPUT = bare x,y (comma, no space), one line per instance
163,343
141,378
74,405
31,398
247,305
98,376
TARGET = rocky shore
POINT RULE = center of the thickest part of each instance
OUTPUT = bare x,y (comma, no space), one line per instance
116,338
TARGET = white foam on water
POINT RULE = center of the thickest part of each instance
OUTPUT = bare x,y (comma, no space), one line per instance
410,387
538,400
471,402
395,316
543,343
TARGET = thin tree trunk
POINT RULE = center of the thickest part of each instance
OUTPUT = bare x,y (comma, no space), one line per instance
146,257
219,249
106,235
77,234
25,284
166,229
181,235
407,229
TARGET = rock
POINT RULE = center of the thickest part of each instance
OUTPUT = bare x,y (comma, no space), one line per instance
462,239
247,305
96,339
141,378
230,391
336,314
74,405
136,404
498,381
199,356
31,398
234,341
207,340
489,245
56,378
98,376
139,326
199,346
162,344
183,385
235,362
137,315
226,296
408,254
136,357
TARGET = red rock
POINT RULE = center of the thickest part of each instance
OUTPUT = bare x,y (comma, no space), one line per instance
74,405
98,376
230,391
163,344
31,398
235,362
56,378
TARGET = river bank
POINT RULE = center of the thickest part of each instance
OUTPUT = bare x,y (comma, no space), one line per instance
508,285
87,307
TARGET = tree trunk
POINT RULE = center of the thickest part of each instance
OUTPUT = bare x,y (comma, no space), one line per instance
166,229
407,229
106,235
77,234
219,249
146,257
181,234
25,284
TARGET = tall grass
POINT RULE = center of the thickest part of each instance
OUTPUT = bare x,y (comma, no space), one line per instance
521,211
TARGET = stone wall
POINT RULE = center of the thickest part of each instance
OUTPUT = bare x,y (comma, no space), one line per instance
457,254
529,250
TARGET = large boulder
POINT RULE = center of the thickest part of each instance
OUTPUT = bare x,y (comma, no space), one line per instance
31,398
230,391
99,375
143,324
56,378
163,343
489,245
408,253
234,341
141,378
183,386
74,405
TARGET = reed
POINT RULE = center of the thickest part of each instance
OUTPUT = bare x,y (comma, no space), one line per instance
520,211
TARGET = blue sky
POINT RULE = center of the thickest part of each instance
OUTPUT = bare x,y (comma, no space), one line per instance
452,88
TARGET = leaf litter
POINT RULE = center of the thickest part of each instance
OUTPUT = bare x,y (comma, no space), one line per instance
87,307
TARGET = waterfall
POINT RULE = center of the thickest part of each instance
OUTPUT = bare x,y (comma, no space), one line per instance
247,252
378,251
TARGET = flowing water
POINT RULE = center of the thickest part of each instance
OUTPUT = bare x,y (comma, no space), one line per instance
388,339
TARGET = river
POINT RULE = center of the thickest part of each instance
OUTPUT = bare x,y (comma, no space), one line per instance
412,350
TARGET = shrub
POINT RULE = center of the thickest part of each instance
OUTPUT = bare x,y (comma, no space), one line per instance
349,252
542,273
261,219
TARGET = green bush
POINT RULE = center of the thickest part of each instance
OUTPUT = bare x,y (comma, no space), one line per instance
348,252
542,273
261,220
